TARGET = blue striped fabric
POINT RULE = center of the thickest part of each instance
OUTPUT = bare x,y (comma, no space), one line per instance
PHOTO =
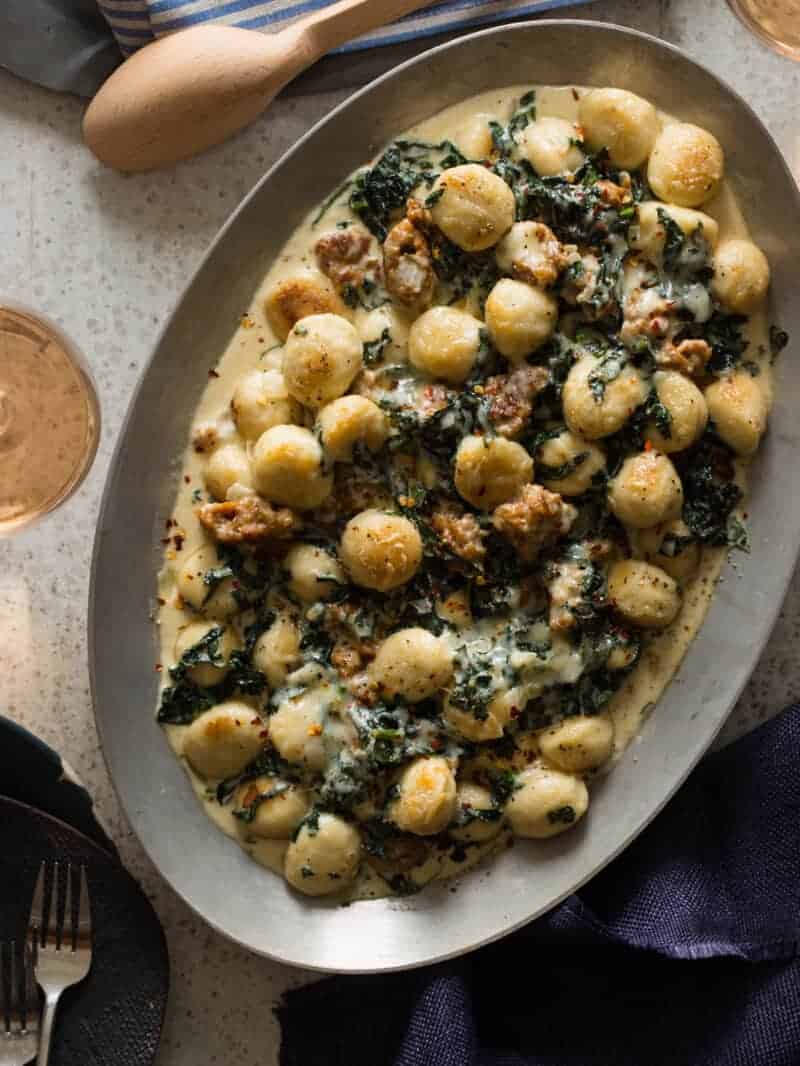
136,22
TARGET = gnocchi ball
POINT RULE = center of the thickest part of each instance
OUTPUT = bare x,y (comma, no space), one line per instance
620,121
741,276
287,461
474,137
261,401
412,663
687,410
426,800
546,802
531,252
215,600
738,408
574,459
325,856
321,356
348,421
464,723
313,574
224,739
208,673
297,297
279,807
650,234
227,466
519,317
551,145
579,743
380,551
386,327
296,730
276,653
477,817
686,165
444,342
671,546
491,472
643,594
647,490
594,416
475,207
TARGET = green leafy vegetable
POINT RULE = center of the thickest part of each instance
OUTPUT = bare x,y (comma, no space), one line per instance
373,350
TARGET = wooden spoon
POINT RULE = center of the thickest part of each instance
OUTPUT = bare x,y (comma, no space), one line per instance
188,91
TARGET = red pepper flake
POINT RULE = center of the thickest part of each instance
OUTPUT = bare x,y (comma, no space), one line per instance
165,540
436,744
263,734
213,374
159,667
161,601
255,721
575,94
515,712
169,523
178,540
187,478
648,445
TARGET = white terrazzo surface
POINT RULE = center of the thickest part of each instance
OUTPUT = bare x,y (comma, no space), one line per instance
107,256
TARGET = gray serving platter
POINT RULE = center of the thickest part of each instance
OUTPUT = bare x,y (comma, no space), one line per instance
208,870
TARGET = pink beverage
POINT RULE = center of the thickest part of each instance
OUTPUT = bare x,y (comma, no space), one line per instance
49,417
776,22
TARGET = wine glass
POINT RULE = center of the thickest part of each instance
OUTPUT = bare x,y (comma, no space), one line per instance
775,22
49,416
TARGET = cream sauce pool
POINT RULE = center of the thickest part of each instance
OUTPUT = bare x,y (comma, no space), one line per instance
254,345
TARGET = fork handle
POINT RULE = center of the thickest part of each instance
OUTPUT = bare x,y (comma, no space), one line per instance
48,1017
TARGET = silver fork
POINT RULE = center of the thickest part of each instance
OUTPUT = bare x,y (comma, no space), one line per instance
19,1006
62,942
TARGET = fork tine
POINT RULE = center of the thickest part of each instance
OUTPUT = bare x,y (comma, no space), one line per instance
30,1002
64,913
4,1004
39,919
84,931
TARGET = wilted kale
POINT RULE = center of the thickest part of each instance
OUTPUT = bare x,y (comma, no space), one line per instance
709,492
463,271
505,137
373,350
379,193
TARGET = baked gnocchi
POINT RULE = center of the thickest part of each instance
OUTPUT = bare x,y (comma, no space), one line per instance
457,494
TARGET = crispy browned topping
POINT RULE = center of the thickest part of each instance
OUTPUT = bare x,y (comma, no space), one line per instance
613,194
512,397
461,533
407,265
250,520
533,519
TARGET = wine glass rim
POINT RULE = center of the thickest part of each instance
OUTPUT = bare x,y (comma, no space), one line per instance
758,31
80,363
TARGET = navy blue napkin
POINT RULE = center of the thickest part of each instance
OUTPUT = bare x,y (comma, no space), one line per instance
682,951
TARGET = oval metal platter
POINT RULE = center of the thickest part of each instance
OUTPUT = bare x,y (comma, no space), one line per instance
214,876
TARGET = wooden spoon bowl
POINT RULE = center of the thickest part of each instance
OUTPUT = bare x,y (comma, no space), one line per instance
195,88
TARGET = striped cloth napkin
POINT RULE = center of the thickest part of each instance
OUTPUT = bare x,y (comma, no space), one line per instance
136,22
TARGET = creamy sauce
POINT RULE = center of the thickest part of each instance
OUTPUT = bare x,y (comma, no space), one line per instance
48,421
254,345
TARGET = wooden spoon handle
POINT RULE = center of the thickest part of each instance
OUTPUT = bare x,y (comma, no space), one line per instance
342,22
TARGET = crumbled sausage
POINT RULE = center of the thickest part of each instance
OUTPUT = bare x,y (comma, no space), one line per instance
534,519
512,397
346,659
461,532
542,265
343,256
613,194
689,357
434,398
418,214
249,519
407,264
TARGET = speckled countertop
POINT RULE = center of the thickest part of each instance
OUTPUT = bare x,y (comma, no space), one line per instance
107,256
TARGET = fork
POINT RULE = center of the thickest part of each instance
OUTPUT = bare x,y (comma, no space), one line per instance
62,944
19,1006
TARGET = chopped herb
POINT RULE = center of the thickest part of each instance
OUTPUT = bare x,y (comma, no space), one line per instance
738,536
434,197
778,339
674,239
561,815
607,370
710,493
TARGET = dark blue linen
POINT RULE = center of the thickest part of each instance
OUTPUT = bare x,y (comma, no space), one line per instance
683,951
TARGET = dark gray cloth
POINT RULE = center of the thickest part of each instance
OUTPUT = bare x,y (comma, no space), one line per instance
61,44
